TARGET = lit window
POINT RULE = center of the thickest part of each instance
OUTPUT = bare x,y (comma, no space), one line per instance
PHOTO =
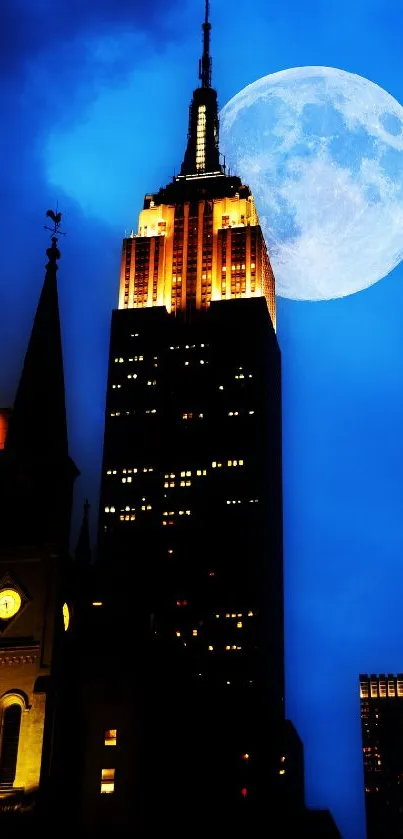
201,138
245,756
178,634
108,780
282,772
110,737
66,616
194,632
97,603
211,648
239,625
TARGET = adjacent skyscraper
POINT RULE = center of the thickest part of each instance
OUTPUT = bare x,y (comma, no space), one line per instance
381,700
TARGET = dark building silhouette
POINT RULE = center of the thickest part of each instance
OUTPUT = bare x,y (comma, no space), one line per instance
36,484
189,598
381,698
145,693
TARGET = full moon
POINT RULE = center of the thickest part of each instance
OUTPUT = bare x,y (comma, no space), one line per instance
322,151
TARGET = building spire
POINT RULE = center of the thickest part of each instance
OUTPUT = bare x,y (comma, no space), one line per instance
205,63
202,153
83,548
38,474
38,426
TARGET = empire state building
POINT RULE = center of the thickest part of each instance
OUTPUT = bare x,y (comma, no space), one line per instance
185,650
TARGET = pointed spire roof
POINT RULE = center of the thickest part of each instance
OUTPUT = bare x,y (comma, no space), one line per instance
38,427
202,153
83,549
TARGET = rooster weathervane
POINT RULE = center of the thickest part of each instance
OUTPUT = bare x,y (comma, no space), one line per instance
56,218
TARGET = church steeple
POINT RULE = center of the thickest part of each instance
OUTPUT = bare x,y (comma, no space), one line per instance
37,426
36,472
202,153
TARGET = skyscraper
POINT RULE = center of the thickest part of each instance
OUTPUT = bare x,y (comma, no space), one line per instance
189,598
145,695
381,698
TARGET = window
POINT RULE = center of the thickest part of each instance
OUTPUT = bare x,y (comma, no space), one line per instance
110,737
108,780
66,616
9,743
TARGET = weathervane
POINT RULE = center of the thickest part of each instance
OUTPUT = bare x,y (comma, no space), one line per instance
53,252
56,217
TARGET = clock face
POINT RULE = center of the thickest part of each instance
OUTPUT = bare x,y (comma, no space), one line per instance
66,616
10,603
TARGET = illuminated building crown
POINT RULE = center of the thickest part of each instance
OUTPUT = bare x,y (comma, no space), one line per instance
199,238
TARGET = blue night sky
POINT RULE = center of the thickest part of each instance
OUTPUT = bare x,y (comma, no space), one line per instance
94,100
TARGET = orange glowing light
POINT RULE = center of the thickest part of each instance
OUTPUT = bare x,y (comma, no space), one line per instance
3,428
165,281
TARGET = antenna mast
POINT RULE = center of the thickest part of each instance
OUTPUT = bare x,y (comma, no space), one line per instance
205,64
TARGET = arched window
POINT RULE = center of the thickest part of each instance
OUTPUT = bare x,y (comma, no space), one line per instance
9,737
